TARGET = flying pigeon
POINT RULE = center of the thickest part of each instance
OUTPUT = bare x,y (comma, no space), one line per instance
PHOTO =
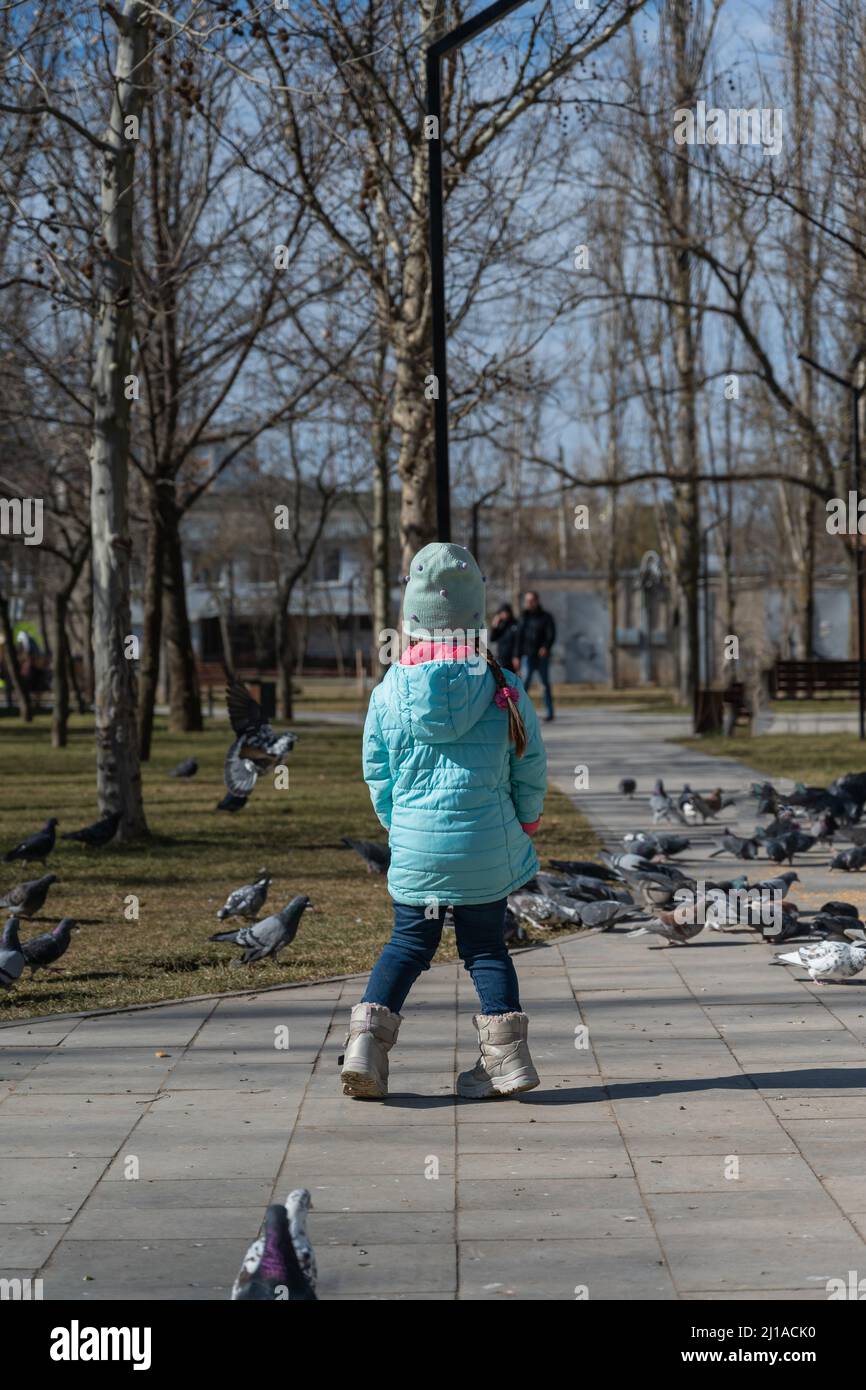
26,899
98,834
583,867
850,859
269,936
256,748
280,1265
188,768
828,960
247,901
232,803
627,787
376,857
11,956
40,952
37,846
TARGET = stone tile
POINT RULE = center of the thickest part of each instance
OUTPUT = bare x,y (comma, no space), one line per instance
28,1245
562,1208
170,1025
46,1190
706,1173
504,1270
348,1271
51,1126
402,1192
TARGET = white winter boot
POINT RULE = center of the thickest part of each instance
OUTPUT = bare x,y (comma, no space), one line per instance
372,1033
505,1066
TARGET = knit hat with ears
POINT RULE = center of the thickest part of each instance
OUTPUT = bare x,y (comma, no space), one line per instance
445,589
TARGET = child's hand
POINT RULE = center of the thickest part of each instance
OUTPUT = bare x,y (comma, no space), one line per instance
531,827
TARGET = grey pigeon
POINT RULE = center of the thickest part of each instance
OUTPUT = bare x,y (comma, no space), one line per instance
40,952
582,867
787,845
270,936
256,748
247,901
850,860
376,857
627,787
544,911
741,848
99,834
664,807
188,768
11,955
37,846
26,899
780,884
605,915
280,1265
828,960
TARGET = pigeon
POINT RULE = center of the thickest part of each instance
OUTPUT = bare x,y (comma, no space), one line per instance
627,787
37,846
11,955
828,960
850,859
640,843
605,915
692,805
247,901
825,827
786,846
188,768
786,923
717,801
376,857
26,899
98,834
514,934
739,847
280,1265
40,952
676,932
543,911
662,806
780,825
782,884
582,867
232,803
269,936
256,748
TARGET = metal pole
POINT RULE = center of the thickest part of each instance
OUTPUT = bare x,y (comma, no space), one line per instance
437,287
454,39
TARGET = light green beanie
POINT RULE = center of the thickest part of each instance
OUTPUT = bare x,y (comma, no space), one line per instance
445,591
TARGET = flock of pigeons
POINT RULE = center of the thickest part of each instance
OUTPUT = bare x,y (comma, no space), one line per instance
640,885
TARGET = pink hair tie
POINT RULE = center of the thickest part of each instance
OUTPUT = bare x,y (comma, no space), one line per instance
505,694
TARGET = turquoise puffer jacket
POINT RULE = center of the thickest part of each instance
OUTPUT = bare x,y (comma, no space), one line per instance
447,785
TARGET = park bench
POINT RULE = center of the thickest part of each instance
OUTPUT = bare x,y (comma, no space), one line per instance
793,680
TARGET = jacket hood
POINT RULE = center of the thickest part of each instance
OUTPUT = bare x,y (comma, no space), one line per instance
439,701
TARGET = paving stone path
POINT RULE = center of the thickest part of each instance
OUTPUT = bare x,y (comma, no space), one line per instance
707,1143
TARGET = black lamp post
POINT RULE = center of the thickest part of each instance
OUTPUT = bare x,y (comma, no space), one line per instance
436,51
854,392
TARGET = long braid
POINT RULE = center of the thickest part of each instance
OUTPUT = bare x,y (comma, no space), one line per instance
516,726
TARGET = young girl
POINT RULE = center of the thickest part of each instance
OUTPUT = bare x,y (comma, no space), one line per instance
456,769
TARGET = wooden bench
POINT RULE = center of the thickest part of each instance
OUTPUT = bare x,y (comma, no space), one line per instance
794,680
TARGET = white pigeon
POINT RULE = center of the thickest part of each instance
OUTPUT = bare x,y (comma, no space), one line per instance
298,1204
828,960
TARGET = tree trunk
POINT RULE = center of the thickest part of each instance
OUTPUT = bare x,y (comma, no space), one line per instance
151,639
59,671
285,657
381,529
184,699
13,669
118,775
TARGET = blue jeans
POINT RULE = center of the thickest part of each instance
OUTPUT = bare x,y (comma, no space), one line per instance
480,945
528,666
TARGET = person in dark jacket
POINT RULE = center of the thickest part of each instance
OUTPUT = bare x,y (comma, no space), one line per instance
536,634
504,634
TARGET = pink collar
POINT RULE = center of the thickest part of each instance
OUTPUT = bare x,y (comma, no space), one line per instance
435,651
